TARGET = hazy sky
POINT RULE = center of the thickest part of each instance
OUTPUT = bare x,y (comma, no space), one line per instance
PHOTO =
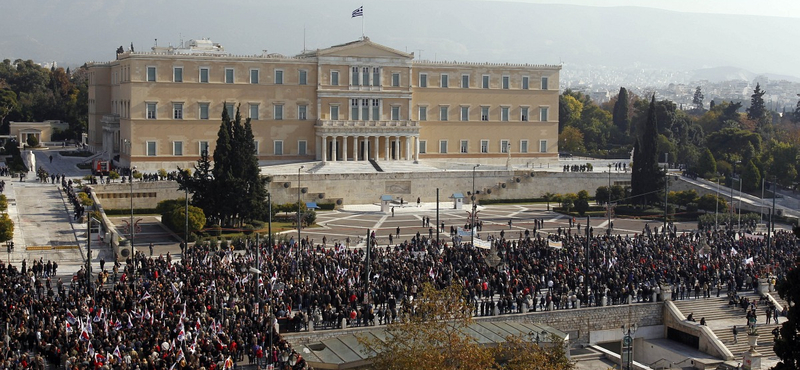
672,34
776,8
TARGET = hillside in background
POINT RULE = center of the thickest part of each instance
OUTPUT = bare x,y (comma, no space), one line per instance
616,37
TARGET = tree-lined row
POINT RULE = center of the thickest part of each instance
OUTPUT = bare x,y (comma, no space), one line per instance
724,139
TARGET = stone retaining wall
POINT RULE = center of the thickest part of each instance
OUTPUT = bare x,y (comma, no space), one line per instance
368,188
145,194
577,323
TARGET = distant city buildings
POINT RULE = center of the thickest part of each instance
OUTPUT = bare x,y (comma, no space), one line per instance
603,83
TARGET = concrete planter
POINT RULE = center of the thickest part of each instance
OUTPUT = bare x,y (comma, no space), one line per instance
752,340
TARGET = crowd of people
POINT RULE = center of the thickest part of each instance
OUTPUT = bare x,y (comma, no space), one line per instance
217,306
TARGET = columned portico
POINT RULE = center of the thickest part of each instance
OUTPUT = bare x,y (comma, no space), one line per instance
392,132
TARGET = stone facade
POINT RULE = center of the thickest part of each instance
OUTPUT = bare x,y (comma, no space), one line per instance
356,101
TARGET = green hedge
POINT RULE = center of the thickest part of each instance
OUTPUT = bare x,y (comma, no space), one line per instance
326,206
506,201
136,211
74,153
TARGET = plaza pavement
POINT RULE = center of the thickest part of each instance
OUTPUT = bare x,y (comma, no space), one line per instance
43,219
45,228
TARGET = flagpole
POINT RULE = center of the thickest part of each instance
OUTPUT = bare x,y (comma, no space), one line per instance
362,24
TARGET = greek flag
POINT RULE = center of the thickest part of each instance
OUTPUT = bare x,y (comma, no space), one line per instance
358,12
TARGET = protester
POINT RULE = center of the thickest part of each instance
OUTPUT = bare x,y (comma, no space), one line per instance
217,305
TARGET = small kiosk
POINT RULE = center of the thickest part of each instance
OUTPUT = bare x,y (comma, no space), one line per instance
458,200
386,203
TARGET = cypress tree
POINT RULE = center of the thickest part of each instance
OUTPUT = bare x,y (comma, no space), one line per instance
636,172
251,173
222,168
620,114
647,178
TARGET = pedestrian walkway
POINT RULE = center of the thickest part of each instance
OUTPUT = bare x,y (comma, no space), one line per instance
44,227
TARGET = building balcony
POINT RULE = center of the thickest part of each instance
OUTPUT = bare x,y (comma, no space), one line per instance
110,119
400,127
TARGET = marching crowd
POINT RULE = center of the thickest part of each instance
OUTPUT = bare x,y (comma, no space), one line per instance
216,306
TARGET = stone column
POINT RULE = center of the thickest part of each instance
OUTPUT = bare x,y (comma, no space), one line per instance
334,147
324,148
365,151
396,147
408,148
376,141
387,148
356,148
344,148
416,148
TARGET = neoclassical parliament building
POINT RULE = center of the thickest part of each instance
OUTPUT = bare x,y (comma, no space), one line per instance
351,102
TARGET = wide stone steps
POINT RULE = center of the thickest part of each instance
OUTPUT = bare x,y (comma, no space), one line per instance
765,339
714,309
711,308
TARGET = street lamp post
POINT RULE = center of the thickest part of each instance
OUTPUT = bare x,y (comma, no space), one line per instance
716,206
298,212
627,346
474,208
739,210
132,226
186,221
666,190
608,205
771,227
89,250
269,218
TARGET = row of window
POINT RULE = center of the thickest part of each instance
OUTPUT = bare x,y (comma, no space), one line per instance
359,76
505,146
302,147
151,111
360,109
228,77
505,82
151,147
444,113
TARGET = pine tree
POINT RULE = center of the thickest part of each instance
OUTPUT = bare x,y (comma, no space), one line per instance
697,100
707,165
757,111
620,118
